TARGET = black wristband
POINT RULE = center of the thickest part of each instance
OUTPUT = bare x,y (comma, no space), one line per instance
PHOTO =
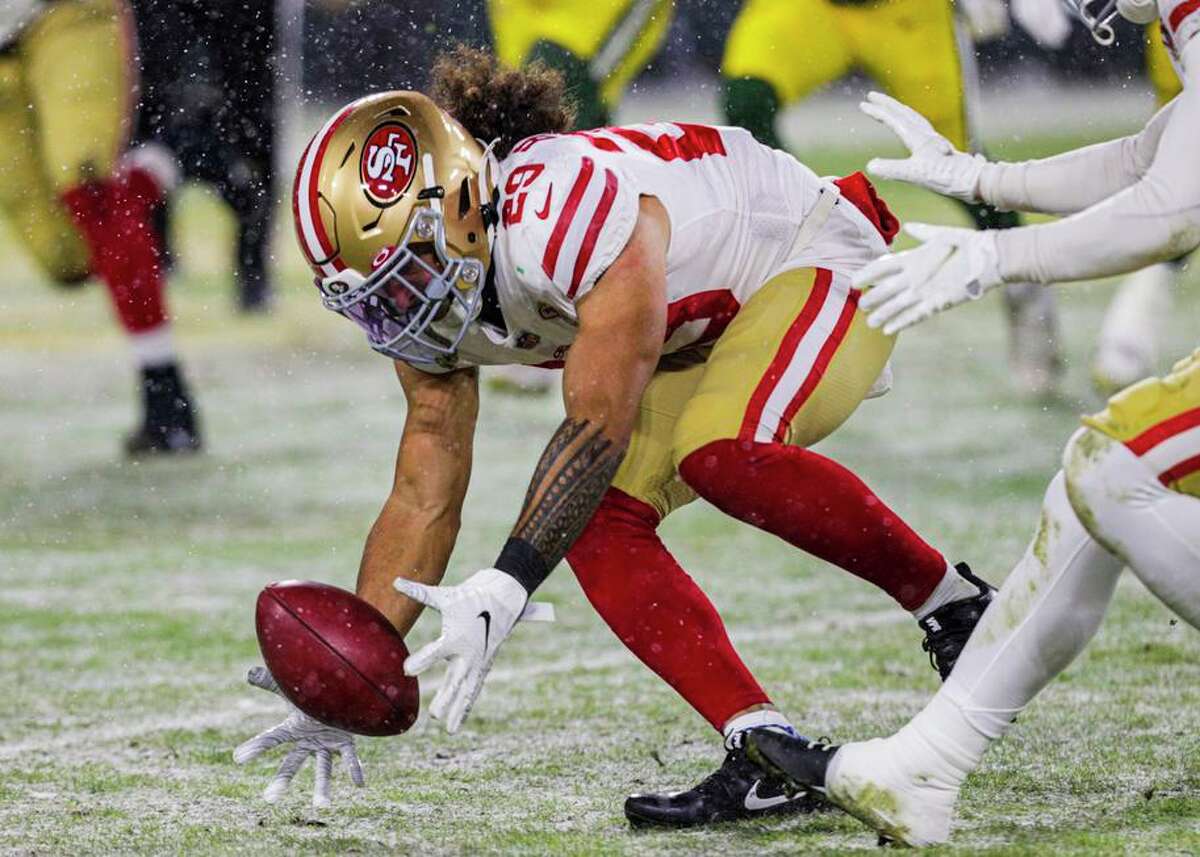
522,561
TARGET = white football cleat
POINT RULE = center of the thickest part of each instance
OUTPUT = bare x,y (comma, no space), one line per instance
903,800
1127,349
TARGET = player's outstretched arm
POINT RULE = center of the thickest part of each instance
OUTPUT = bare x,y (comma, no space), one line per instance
1061,184
622,321
418,525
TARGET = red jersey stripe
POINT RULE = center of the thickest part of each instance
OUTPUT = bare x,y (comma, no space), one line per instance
593,230
554,246
787,350
824,357
1182,11
1184,468
1165,430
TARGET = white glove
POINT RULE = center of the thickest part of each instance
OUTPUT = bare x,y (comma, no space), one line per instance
934,163
311,737
477,615
952,266
1046,20
987,20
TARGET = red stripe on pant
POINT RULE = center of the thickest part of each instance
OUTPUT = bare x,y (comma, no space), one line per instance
114,216
658,611
819,506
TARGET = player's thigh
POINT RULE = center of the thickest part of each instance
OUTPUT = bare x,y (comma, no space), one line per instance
911,48
79,69
29,204
1158,419
791,367
629,46
795,45
648,471
1158,66
580,26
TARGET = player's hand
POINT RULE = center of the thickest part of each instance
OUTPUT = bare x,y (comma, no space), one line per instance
952,266
934,162
309,737
986,19
477,616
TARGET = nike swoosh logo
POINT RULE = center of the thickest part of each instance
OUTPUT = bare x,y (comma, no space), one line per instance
545,212
753,802
487,629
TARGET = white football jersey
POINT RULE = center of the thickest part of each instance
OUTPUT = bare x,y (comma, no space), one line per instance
568,205
1180,23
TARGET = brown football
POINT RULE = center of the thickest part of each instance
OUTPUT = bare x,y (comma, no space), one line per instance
336,657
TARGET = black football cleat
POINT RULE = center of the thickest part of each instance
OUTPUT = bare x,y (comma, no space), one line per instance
737,790
795,761
169,425
948,628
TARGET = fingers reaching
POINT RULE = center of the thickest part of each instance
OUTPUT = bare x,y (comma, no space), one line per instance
291,763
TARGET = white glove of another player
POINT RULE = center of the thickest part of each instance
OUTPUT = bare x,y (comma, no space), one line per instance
1046,21
477,616
952,266
986,19
310,737
934,163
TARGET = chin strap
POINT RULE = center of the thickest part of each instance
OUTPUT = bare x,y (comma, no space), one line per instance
487,175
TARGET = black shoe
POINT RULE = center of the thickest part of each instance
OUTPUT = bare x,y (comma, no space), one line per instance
797,762
169,424
948,628
738,789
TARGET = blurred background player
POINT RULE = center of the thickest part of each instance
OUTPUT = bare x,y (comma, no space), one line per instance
78,202
1127,349
209,95
919,51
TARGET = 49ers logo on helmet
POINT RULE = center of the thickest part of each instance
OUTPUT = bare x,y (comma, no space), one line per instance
388,163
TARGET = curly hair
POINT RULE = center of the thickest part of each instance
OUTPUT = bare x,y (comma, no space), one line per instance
492,101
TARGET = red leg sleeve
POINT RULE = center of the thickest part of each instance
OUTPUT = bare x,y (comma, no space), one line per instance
658,611
114,216
819,506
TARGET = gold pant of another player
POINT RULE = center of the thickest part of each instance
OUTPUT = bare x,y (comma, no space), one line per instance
909,46
66,97
792,366
611,40
1159,421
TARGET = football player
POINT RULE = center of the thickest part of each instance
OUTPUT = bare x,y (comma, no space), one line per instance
695,287
1129,490
780,51
77,203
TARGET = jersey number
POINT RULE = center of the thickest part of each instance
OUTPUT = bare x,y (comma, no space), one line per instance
516,192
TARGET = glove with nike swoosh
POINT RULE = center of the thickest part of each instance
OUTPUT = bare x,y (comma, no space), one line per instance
477,616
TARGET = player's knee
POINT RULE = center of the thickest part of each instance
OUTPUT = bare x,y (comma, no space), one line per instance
62,258
1093,473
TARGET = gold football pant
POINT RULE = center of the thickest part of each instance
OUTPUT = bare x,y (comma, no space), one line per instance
67,90
791,367
909,46
616,38
1158,66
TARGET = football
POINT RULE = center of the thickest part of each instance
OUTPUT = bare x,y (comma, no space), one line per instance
336,657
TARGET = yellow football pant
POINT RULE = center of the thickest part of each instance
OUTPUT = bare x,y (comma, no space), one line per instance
67,90
1159,419
617,37
791,367
909,46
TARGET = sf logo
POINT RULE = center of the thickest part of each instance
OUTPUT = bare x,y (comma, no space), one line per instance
388,163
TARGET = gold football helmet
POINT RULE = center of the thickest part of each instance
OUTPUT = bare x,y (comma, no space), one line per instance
393,209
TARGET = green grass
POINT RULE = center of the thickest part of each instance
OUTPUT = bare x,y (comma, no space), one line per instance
127,590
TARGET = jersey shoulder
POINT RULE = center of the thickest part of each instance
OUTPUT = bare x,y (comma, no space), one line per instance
1180,23
567,210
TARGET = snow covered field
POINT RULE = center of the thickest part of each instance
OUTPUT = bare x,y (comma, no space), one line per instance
127,592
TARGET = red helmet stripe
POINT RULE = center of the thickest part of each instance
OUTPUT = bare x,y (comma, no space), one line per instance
313,238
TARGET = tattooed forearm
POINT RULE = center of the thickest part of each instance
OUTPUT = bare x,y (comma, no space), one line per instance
571,477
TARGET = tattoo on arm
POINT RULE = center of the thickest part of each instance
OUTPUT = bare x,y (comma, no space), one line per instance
574,472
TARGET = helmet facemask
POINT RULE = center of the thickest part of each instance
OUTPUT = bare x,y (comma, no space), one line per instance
1099,23
407,292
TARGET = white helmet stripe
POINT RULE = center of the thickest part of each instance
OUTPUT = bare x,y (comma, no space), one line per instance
312,232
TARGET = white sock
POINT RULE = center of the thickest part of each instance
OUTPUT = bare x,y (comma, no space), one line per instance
153,348
951,588
764,717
